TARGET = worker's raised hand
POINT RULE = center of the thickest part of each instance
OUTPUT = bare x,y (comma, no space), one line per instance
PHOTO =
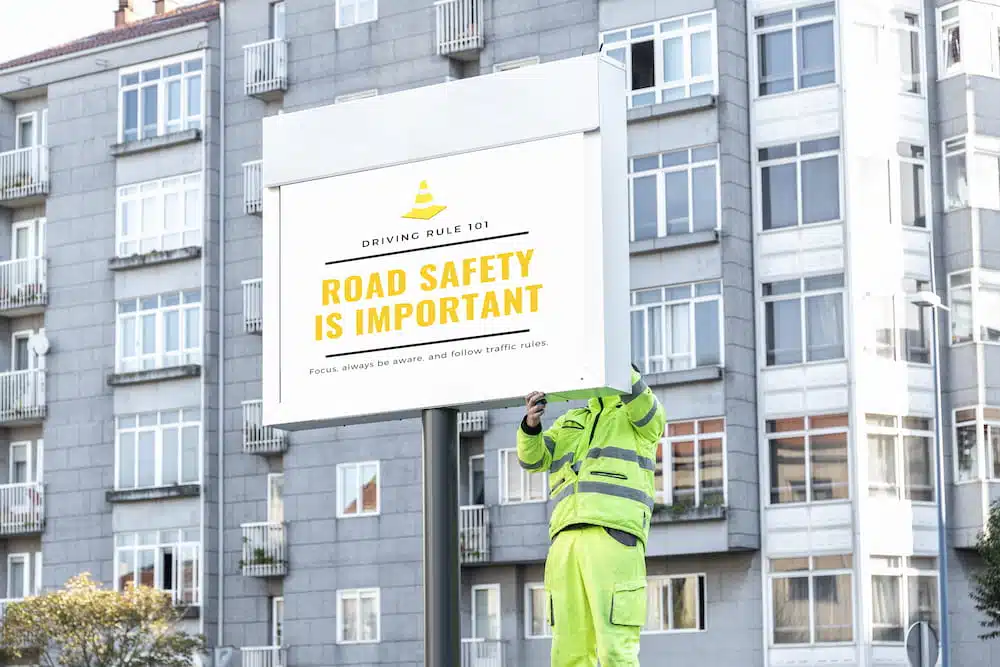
535,408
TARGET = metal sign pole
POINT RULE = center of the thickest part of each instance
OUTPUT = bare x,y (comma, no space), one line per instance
442,631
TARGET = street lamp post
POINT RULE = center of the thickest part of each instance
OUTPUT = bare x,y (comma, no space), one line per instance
933,301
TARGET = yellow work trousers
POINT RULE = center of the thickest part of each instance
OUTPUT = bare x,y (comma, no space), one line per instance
596,593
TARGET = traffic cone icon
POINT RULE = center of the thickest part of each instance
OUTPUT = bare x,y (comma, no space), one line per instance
424,207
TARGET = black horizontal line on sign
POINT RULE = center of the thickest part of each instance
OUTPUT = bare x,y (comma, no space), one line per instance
430,342
430,247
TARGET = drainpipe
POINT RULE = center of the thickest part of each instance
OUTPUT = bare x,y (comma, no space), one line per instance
220,427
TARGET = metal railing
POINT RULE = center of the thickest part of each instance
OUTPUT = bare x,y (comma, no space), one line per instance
257,438
23,283
22,508
253,305
253,187
474,533
482,653
459,26
24,172
22,395
473,423
265,66
4,603
264,656
265,552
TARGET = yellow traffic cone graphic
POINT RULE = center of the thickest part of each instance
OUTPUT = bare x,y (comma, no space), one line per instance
424,207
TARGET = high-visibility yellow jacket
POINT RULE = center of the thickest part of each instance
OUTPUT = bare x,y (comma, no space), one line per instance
601,461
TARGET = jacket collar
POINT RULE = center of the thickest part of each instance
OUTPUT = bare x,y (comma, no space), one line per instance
595,404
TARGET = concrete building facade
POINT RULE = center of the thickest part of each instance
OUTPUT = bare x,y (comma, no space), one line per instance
792,200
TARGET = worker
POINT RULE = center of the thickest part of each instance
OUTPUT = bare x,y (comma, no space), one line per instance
601,460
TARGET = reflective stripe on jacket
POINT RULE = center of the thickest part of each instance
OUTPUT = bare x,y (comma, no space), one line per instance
600,459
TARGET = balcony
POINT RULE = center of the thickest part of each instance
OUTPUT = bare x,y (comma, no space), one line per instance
253,305
253,187
459,28
22,508
482,653
264,656
24,176
265,69
23,287
22,396
257,438
473,423
474,534
265,553
4,603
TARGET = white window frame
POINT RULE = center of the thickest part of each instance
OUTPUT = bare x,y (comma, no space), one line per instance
158,429
189,304
801,296
186,121
516,64
277,620
794,25
529,609
26,559
19,136
29,453
357,465
955,146
275,514
359,95
666,612
185,543
906,162
639,170
944,25
38,573
475,457
667,343
666,446
898,305
34,361
36,240
356,21
619,43
133,197
274,8
903,28
357,594
798,159
892,566
977,278
808,433
505,499
811,573
489,589
898,432
984,419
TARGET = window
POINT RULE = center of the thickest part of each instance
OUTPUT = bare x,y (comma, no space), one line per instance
812,599
24,575
808,459
160,215
358,619
675,604
974,299
477,480
277,620
902,595
675,193
912,184
804,310
666,61
278,20
800,183
161,99
950,51
353,12
902,328
358,489
159,331
518,485
977,429
165,559
486,612
24,462
795,49
350,97
910,70
158,449
690,464
677,327
956,178
275,497
901,457
27,240
535,618
516,64
26,131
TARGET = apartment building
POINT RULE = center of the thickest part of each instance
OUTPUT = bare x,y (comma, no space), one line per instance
789,197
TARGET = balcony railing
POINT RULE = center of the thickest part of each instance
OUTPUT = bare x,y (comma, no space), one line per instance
253,187
265,553
24,173
265,67
22,395
474,533
23,284
4,603
459,27
22,508
264,656
482,653
257,438
253,305
474,423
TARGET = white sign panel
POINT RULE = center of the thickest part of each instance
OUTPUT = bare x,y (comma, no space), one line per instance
462,280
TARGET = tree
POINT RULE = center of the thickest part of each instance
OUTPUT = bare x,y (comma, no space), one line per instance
85,625
986,582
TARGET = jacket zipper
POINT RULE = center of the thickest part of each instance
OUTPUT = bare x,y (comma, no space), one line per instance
596,419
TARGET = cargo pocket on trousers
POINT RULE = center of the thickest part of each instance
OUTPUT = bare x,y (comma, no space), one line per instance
628,604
